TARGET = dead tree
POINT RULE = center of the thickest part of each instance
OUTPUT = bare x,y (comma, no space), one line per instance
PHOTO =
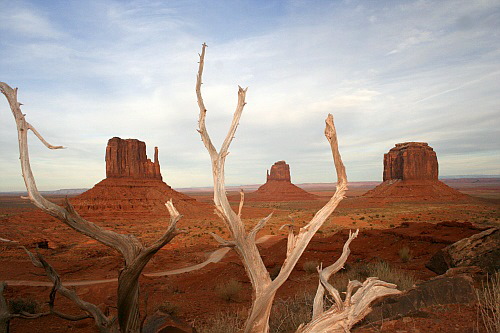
135,254
264,288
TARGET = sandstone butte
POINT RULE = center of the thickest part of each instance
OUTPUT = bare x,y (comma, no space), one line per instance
279,187
411,174
133,187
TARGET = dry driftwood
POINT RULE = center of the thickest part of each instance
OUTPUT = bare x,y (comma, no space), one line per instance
264,288
135,254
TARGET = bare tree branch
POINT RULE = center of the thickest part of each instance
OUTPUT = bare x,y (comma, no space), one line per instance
136,255
327,272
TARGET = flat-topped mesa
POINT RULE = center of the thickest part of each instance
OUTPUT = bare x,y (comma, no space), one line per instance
411,174
280,171
126,158
411,161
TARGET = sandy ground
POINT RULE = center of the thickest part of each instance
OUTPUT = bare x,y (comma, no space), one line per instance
385,229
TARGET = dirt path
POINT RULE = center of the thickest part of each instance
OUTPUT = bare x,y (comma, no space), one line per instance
214,257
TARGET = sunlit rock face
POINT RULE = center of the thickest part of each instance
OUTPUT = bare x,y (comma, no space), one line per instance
279,171
127,158
411,161
411,174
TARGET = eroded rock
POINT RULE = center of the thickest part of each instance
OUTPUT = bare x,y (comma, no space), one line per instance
482,250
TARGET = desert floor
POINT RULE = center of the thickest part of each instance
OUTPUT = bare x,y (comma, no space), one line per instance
385,228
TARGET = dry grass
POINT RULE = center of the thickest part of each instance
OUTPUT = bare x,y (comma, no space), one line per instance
310,266
288,314
229,291
224,322
381,269
489,303
405,254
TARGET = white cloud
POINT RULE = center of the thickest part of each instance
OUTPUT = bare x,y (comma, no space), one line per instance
131,73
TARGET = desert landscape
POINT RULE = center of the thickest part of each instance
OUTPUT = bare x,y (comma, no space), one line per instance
194,284
386,230
355,189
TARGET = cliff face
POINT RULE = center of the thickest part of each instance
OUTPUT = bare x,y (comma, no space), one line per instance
127,158
411,161
279,171
411,174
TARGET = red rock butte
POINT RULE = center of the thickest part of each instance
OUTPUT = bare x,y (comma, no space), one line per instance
411,174
133,188
279,187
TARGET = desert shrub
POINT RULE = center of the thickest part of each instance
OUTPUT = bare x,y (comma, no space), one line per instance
229,291
489,303
169,308
288,314
20,305
405,254
380,269
310,266
223,322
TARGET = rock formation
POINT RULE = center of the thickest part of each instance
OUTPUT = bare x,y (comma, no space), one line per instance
127,158
279,171
411,174
133,188
279,187
411,161
482,250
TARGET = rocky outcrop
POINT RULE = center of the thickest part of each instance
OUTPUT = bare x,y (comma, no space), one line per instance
411,161
279,187
411,174
481,250
133,188
442,290
127,158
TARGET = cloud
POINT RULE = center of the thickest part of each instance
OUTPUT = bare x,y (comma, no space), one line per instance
418,70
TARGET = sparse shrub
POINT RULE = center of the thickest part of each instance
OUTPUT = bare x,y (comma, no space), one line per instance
405,254
489,303
20,305
380,269
229,291
169,308
310,266
385,272
288,314
223,322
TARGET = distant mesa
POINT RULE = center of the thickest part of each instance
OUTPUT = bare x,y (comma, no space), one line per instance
279,187
133,188
411,174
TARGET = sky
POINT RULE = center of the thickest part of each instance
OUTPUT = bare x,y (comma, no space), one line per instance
389,72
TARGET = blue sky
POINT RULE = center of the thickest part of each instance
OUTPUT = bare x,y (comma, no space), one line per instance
389,71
